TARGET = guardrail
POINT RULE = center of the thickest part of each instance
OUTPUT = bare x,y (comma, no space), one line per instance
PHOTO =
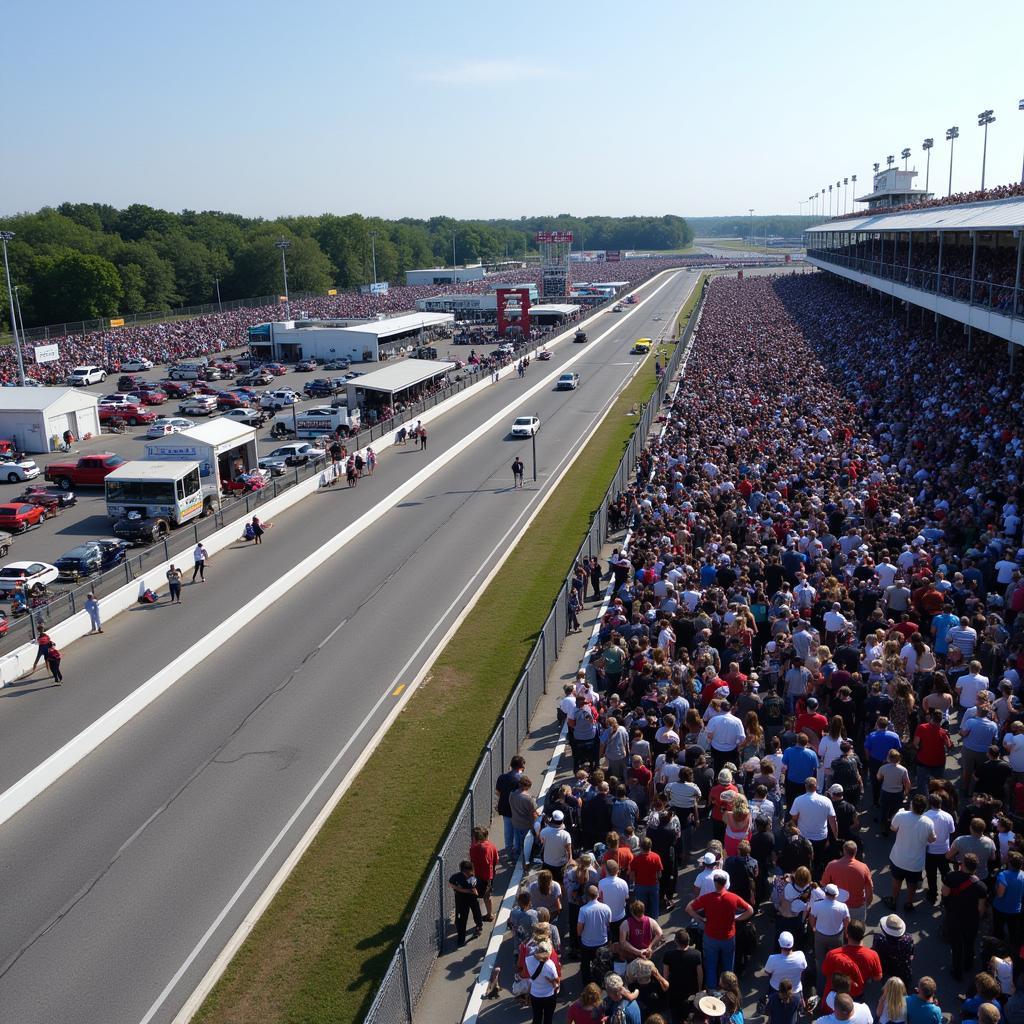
407,974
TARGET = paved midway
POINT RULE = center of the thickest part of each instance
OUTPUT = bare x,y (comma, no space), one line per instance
145,857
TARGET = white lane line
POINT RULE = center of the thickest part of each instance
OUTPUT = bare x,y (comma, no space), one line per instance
536,503
487,965
57,764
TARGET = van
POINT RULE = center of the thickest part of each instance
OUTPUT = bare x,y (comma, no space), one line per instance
188,369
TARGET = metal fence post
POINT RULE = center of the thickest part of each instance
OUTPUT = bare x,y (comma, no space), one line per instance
407,987
441,922
167,551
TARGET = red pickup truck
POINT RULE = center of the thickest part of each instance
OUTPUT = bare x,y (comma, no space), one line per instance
88,471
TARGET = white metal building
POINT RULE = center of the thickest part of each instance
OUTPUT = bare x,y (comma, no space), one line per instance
444,275
222,447
400,380
325,340
35,419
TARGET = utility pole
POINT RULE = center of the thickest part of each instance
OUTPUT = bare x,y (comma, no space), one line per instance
5,237
373,247
283,244
216,283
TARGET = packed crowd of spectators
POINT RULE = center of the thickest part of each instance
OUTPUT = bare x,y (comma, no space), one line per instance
994,268
1011,191
216,332
803,698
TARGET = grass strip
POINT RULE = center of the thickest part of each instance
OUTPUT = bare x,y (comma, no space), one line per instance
318,953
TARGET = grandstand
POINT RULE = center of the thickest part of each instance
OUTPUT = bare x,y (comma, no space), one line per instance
959,261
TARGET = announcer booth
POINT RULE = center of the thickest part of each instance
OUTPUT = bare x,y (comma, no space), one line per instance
402,382
224,449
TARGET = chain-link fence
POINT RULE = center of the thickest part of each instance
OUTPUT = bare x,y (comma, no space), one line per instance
406,976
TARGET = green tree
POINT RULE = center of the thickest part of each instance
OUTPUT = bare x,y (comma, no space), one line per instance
73,286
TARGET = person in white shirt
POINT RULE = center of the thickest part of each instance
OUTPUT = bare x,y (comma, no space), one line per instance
705,881
835,620
691,598
815,818
829,917
914,833
885,571
1004,571
1014,746
970,685
556,846
860,1014
592,929
787,963
614,891
725,733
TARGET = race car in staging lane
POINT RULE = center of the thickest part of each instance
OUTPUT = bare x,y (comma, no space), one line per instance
525,426
33,576
92,557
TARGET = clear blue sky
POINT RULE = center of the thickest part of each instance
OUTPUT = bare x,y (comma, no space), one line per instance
480,110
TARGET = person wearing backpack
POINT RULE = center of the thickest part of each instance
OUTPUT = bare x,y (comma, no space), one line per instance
544,982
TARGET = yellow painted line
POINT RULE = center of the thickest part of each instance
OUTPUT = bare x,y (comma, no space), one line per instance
398,689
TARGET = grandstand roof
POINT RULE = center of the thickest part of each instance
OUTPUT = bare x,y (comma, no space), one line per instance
993,215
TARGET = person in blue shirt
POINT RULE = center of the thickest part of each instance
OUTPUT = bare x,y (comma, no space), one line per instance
977,734
941,625
709,574
1009,895
877,745
801,764
921,1005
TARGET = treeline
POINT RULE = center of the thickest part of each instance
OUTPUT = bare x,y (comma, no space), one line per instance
83,261
739,226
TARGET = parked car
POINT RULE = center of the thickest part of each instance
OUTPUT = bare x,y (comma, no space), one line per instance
305,365
64,499
130,365
49,502
131,414
16,470
18,516
129,382
152,395
88,471
567,382
525,426
296,453
231,400
337,364
168,425
255,378
121,398
226,367
81,376
278,399
92,557
320,387
276,369
250,417
33,576
198,405
176,388
140,529
5,543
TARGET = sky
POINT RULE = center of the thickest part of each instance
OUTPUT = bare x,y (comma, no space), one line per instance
496,110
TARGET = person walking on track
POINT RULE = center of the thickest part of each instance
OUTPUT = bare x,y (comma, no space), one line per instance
517,472
199,557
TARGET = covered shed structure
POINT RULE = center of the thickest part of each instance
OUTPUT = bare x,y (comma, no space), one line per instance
224,449
392,386
35,419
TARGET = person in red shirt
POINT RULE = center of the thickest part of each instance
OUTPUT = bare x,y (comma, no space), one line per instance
619,851
931,742
484,855
869,964
735,680
647,868
905,627
837,962
724,785
719,911
812,720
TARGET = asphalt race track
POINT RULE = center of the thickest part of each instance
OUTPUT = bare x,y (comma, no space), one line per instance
147,855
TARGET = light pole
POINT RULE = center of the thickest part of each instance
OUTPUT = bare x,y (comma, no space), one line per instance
454,264
985,118
846,192
283,244
830,201
5,237
952,134
927,147
750,209
1020,106
853,198
889,161
373,249
17,310
533,438
906,156
216,284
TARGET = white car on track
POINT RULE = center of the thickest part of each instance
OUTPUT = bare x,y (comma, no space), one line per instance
525,426
568,382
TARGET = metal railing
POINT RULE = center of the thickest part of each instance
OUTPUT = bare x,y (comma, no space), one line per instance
423,941
978,291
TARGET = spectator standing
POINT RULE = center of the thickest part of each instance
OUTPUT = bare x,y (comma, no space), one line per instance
963,895
592,929
544,982
684,970
719,911
907,858
523,808
800,764
484,856
556,845
464,884
922,1007
935,862
1006,904
932,742
505,785
92,606
53,660
853,877
647,868
976,842
815,818
895,780
788,964
895,948
174,583
877,745
200,556
829,917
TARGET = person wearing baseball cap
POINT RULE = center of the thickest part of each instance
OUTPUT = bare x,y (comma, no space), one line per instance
556,845
829,917
787,963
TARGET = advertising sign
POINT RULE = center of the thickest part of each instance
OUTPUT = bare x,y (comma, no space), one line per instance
46,353
119,322
612,256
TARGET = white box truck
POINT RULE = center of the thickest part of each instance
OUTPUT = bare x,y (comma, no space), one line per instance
315,422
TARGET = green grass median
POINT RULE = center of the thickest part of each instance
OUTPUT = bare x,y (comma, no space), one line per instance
318,953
